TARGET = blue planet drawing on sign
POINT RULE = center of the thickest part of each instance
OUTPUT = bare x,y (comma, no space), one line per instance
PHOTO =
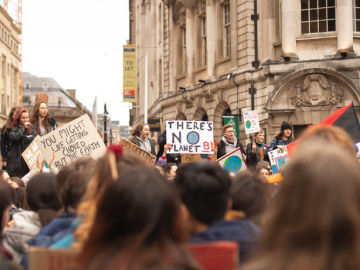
248,124
233,164
193,137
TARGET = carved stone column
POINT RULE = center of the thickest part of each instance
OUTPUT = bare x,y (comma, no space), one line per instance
288,28
344,26
211,37
190,44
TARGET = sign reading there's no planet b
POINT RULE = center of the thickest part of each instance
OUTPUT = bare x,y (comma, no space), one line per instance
233,161
193,137
251,122
76,139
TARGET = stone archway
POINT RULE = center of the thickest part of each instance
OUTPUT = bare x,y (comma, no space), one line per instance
180,116
199,114
218,121
308,96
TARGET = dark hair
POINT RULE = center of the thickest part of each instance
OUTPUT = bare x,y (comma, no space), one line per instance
249,194
167,168
280,135
138,129
2,175
35,118
18,181
262,164
5,200
72,180
315,219
41,197
204,189
137,223
10,119
19,197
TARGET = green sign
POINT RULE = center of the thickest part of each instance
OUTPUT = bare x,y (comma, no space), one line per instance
234,121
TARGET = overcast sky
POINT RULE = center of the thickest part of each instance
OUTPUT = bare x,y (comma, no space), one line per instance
79,44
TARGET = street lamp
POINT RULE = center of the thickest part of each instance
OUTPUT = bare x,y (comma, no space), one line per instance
105,118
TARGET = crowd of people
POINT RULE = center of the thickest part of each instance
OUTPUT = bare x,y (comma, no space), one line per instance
119,212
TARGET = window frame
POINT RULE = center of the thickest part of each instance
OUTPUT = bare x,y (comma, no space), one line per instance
226,18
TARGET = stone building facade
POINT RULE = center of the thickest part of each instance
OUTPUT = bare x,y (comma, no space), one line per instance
293,60
10,66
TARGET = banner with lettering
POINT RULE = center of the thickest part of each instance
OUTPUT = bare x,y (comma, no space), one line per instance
278,159
193,137
32,153
76,139
186,158
131,147
251,122
233,161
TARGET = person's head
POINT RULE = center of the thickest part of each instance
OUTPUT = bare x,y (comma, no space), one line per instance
12,115
142,131
72,180
19,198
5,202
22,116
170,170
228,132
250,195
16,182
263,169
332,134
315,218
259,136
204,188
138,216
41,197
40,113
285,131
107,170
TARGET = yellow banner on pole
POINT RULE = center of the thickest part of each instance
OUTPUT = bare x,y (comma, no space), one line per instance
129,73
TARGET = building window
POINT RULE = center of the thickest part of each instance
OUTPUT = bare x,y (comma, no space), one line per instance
356,15
203,41
317,16
227,32
182,51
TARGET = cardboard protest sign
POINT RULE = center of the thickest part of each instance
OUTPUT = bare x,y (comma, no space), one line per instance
186,158
278,159
56,259
251,121
233,161
76,139
32,153
131,147
193,137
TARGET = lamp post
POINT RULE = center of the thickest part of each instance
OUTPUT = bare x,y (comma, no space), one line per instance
105,118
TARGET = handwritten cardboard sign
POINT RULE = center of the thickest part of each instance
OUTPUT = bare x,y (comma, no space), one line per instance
278,159
251,122
131,147
76,139
186,158
193,137
32,153
233,161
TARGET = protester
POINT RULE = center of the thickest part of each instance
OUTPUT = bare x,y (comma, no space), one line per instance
228,142
140,137
263,170
5,136
315,218
256,150
108,168
20,135
250,198
148,232
171,158
43,204
40,119
283,138
205,192
170,171
6,258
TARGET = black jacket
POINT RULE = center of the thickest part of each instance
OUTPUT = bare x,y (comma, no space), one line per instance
171,158
221,150
19,140
253,158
